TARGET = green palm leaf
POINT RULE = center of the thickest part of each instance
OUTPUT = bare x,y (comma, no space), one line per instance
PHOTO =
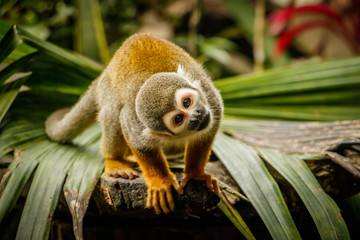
325,91
353,203
235,218
322,208
23,129
90,39
251,175
44,192
78,187
12,40
8,93
16,184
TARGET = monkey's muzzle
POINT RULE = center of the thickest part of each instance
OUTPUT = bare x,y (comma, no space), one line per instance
199,119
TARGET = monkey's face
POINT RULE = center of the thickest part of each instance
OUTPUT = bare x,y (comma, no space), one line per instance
170,105
191,113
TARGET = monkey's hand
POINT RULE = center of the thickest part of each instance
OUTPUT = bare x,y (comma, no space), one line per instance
210,182
120,168
159,194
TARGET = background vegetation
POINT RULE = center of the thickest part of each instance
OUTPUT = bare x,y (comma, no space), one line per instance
270,60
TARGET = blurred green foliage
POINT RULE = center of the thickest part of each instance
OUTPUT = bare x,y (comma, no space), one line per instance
55,20
221,44
219,33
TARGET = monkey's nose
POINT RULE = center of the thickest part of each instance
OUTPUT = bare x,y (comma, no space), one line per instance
200,111
199,119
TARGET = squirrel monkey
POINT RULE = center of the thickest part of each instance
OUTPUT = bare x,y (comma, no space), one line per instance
152,100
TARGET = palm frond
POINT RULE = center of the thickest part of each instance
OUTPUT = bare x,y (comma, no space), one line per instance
235,218
22,129
79,185
250,173
354,204
15,184
253,177
8,93
325,91
90,39
44,191
322,208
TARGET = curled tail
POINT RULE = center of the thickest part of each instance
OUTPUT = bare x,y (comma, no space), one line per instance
66,123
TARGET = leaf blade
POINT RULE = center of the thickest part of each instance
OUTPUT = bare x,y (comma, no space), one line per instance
15,186
44,192
79,185
8,93
322,208
258,185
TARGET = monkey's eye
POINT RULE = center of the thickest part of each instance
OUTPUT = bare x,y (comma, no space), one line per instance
179,118
187,102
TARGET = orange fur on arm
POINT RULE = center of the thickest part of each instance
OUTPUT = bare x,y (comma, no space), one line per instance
159,180
196,157
152,163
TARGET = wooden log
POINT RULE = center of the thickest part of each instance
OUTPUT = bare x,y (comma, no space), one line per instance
124,195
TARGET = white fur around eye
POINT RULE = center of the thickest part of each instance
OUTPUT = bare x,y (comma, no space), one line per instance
168,119
181,93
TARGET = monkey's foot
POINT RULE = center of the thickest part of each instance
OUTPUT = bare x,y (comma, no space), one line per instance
159,194
210,182
120,168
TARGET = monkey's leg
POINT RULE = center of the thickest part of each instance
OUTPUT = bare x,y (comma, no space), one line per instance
196,157
115,149
159,180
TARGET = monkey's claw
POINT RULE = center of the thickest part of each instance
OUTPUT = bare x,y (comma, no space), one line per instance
210,182
120,168
159,194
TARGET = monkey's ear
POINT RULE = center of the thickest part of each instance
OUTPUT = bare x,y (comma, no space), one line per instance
181,71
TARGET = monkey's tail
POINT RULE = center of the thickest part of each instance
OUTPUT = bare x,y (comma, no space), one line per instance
66,123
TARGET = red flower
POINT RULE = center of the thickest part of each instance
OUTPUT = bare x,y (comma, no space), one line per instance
346,24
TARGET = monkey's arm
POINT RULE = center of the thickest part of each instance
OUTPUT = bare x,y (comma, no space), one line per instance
196,157
159,180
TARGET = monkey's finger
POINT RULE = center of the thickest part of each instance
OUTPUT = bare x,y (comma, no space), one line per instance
115,175
149,198
155,202
215,186
177,187
163,205
170,199
124,175
133,176
184,181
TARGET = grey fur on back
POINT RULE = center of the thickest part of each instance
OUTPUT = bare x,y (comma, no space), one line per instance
66,123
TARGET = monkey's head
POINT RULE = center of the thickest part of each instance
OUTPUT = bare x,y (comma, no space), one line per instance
170,105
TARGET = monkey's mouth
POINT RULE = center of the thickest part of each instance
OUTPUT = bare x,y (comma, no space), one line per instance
205,122
199,123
